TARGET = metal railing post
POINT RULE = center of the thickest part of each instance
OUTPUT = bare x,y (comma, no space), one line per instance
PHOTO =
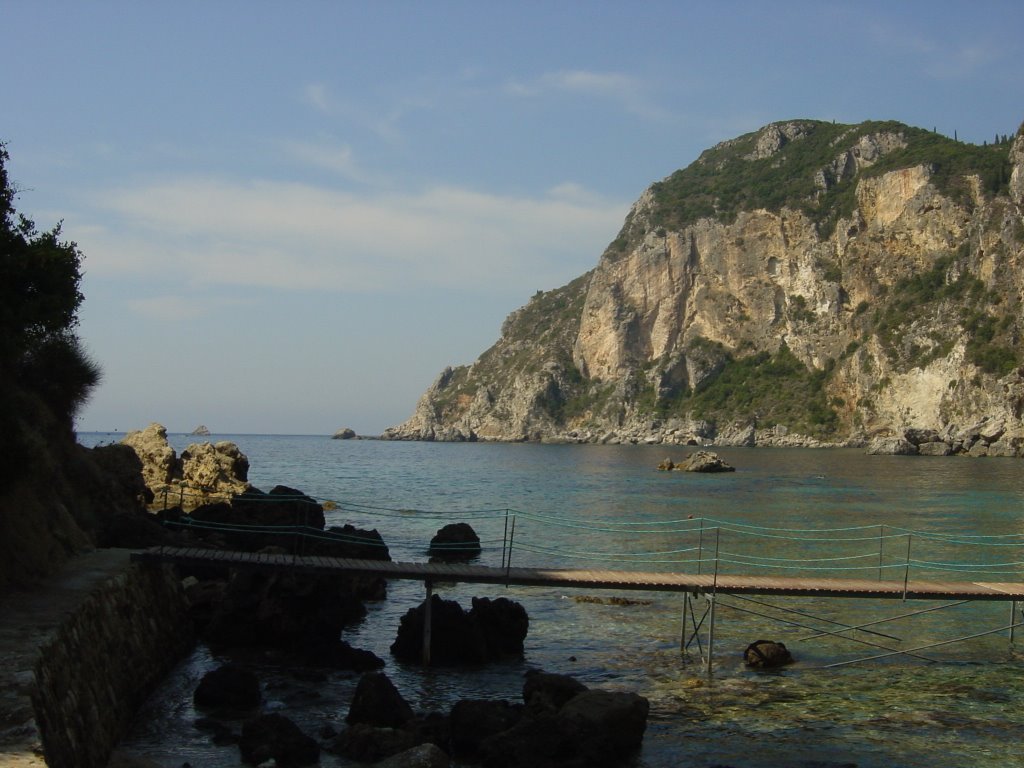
881,549
700,547
511,539
906,573
504,541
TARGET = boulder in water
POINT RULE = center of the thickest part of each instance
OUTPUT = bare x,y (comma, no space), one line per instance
455,541
767,654
705,461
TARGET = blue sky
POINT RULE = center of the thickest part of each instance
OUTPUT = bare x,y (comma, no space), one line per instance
295,215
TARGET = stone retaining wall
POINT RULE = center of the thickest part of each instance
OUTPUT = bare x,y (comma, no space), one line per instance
102,661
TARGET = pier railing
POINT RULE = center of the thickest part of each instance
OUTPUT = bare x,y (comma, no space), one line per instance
701,545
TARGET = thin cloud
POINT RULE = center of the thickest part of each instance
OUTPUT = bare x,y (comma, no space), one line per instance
628,92
301,237
383,122
939,59
315,94
168,308
340,160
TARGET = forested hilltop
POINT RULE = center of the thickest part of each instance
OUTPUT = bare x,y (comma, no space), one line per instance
809,283
56,498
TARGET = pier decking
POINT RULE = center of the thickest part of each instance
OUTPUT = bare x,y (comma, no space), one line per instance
726,584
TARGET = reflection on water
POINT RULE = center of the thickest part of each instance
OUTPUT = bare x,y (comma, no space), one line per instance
896,710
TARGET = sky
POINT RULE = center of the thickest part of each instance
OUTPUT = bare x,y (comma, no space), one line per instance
294,215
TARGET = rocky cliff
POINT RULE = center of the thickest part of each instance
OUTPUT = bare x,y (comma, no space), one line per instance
809,283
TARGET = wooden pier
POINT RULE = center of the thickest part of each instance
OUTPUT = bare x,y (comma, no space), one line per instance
569,578
710,586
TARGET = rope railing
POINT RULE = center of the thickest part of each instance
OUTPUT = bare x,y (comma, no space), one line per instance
681,543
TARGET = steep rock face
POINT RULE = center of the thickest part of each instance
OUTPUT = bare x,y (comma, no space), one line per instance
806,284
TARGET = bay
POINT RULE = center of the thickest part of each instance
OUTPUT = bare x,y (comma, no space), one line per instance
839,512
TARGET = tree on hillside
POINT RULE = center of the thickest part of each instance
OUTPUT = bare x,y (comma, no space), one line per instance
45,376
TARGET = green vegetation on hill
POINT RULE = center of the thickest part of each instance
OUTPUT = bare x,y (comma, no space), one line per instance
764,388
725,180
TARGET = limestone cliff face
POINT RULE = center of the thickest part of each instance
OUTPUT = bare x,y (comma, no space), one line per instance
806,284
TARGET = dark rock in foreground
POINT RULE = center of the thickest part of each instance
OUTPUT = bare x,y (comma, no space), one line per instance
276,737
365,743
378,703
228,687
588,728
423,756
475,720
562,724
548,692
491,630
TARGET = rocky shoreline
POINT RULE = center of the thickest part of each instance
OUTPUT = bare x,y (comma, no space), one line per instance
992,436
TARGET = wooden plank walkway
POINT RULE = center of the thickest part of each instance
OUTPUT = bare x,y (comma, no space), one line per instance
596,578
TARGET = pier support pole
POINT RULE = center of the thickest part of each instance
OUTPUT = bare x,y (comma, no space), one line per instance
711,634
1013,620
682,633
711,616
427,622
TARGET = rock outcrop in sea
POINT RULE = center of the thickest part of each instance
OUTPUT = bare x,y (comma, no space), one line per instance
809,284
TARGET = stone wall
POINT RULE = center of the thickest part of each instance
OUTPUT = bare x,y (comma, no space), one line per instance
101,662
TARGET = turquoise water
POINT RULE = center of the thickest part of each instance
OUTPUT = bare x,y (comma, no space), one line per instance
584,506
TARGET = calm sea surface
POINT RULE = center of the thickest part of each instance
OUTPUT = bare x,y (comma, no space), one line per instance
839,513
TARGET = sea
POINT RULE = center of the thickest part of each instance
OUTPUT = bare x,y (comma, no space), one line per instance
918,683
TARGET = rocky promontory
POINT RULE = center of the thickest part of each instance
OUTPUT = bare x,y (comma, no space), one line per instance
808,284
